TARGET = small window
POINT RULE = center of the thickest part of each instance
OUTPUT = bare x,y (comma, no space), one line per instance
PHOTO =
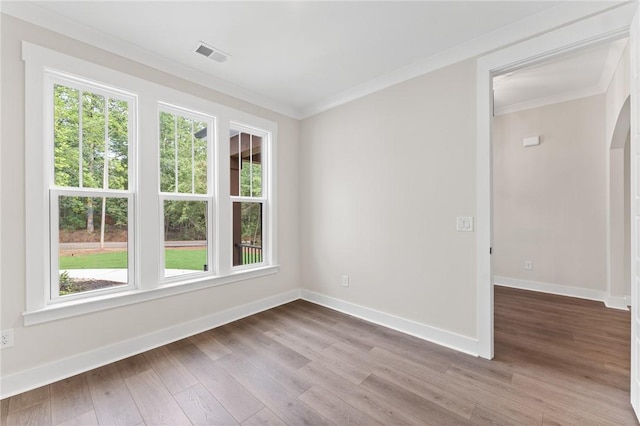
185,191
247,195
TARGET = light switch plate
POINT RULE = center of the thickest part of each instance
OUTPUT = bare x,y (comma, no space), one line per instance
464,223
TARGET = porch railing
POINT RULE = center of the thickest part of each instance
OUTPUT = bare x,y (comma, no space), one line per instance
249,253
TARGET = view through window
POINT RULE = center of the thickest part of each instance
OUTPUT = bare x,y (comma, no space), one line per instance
184,191
90,194
247,196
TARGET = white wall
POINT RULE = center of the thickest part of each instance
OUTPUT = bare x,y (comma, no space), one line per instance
619,284
41,344
550,200
617,92
619,225
383,179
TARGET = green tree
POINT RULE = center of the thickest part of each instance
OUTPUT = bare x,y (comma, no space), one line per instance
183,169
90,132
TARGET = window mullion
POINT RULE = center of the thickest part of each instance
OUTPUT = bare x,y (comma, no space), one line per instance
105,173
193,160
80,140
223,219
240,163
175,151
148,241
105,162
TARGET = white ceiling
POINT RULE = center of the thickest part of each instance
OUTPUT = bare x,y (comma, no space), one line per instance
300,57
583,73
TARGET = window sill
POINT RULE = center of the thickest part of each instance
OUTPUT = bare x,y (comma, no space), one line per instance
115,300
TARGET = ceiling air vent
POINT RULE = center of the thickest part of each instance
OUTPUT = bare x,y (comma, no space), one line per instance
211,52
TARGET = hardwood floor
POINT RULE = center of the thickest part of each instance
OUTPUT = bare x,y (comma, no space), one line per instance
558,361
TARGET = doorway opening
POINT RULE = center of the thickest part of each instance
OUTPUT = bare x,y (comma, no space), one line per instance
599,29
559,248
561,180
622,21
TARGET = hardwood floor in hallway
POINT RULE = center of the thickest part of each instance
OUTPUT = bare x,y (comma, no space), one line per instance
558,361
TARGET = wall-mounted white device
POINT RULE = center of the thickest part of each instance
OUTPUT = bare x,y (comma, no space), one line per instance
532,141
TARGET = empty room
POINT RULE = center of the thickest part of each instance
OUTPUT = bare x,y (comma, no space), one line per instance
347,213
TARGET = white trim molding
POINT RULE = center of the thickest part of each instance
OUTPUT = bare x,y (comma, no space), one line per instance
616,50
30,12
557,289
549,100
436,335
612,302
520,30
615,302
23,381
33,378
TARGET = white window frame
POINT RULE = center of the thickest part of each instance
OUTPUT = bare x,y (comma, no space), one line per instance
209,197
263,199
54,77
54,296
143,190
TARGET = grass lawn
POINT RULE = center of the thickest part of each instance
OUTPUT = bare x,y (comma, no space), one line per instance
109,260
174,259
185,259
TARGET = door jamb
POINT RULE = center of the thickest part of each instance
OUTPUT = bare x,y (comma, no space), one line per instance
600,28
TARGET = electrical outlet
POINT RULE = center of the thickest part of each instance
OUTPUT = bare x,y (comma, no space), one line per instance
528,265
345,281
6,338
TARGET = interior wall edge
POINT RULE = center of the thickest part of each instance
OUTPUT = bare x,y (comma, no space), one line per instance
42,375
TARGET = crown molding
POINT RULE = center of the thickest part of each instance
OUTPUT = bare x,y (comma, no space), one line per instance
550,100
525,29
614,57
611,64
29,12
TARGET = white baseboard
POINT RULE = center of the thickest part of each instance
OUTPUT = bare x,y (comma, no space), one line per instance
23,381
561,290
621,303
441,337
612,302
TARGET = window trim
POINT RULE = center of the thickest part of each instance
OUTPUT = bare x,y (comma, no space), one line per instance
150,95
55,77
267,189
210,196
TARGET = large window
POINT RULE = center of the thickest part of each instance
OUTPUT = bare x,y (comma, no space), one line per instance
185,191
128,190
247,195
90,198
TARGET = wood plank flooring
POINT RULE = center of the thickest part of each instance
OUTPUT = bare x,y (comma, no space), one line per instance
558,361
